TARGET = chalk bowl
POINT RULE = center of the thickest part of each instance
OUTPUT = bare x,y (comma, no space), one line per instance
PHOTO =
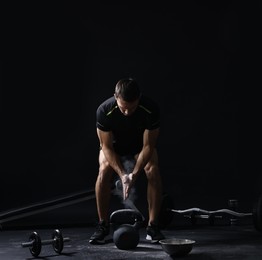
177,246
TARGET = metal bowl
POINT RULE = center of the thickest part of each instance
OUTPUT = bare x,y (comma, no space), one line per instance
177,246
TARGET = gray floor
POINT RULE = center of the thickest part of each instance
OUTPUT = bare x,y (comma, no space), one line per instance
212,242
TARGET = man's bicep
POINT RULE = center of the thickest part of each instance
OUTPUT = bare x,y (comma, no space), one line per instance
150,137
105,138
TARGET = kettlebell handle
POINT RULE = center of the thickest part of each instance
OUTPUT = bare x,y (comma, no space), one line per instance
127,216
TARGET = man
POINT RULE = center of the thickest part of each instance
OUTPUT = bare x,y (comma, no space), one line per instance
128,124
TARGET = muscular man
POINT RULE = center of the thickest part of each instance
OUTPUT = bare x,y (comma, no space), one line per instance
128,124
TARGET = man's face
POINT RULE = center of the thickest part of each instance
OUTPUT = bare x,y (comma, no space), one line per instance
127,108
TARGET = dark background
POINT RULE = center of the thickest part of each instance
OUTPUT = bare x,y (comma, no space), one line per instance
200,60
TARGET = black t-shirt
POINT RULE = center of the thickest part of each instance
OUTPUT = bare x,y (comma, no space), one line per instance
128,130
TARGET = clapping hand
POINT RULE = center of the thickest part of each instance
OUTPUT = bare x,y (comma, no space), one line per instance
127,182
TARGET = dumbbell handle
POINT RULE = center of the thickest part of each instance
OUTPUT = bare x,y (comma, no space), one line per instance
51,241
44,242
28,244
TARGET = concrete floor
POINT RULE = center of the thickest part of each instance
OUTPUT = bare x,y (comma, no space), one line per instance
220,241
212,243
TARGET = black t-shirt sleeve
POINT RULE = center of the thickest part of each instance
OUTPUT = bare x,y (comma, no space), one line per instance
154,121
102,122
153,114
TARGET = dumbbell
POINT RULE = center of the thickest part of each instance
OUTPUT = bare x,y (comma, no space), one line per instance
35,243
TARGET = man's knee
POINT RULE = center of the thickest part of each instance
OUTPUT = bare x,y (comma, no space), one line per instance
105,174
152,172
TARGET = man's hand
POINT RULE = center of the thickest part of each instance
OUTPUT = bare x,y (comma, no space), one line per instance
127,183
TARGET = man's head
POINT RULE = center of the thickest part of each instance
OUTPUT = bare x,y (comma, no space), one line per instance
127,89
127,94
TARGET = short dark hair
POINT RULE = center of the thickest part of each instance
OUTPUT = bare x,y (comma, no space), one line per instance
127,89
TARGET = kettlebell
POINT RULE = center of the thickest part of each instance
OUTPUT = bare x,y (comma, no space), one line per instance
126,237
126,224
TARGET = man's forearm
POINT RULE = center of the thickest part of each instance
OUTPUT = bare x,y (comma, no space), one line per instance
143,158
114,161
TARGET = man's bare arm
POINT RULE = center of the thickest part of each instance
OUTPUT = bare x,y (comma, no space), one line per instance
106,143
149,143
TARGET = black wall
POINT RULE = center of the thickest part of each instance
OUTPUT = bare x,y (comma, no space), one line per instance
201,61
